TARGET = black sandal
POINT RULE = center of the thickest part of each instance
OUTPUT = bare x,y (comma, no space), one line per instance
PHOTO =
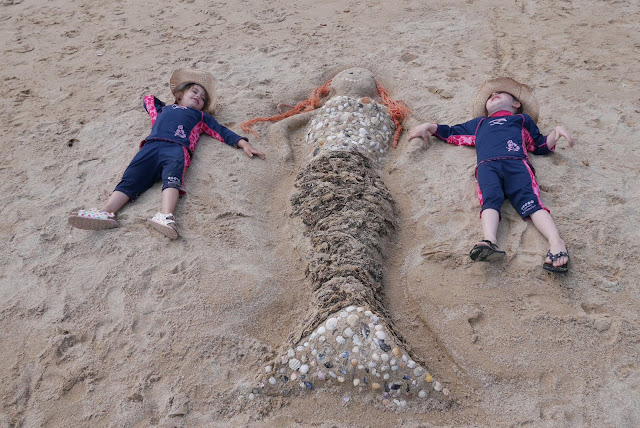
556,269
486,253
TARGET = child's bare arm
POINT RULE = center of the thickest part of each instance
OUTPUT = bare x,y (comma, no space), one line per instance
554,136
249,149
423,131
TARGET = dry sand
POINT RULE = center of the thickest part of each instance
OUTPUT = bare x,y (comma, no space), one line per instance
125,328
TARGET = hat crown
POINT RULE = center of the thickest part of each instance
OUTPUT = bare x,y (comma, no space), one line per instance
203,78
520,91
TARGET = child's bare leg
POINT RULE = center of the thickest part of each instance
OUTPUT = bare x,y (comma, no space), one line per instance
169,202
544,223
490,219
115,202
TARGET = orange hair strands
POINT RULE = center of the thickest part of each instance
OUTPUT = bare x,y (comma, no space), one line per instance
309,104
397,109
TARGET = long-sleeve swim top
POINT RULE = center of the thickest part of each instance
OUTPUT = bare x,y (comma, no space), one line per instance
183,125
501,136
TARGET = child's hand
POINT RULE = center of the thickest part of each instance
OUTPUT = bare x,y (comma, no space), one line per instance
559,131
423,131
249,149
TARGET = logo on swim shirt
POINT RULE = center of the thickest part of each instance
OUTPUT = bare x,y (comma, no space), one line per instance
180,132
499,121
512,147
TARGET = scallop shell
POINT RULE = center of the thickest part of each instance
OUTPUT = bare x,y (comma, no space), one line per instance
294,364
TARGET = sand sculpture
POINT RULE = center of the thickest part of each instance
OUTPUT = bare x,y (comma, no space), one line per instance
348,339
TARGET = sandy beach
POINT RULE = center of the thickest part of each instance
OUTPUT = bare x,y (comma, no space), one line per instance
125,328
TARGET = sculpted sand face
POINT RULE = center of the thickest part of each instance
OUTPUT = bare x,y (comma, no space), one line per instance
348,213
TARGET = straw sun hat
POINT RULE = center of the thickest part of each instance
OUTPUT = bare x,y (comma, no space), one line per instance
521,92
200,77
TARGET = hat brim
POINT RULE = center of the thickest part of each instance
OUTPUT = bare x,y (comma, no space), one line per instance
521,92
199,77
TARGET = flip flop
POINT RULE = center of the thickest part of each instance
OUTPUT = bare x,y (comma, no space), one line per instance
93,219
165,224
486,253
556,269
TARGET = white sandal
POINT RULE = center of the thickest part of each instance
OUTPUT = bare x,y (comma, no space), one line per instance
165,224
93,219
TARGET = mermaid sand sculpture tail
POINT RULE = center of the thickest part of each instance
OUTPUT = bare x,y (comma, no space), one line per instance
348,212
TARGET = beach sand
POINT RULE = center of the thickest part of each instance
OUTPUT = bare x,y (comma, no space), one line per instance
126,328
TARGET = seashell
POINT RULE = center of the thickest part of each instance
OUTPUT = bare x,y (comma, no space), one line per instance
340,379
411,364
381,335
341,340
345,354
294,376
366,100
304,369
382,345
355,349
285,359
437,386
419,371
309,386
446,392
384,357
321,330
331,324
375,357
375,386
353,320
350,309
343,314
394,368
367,313
379,327
321,375
354,362
347,332
356,382
272,380
267,369
283,370
291,353
314,352
300,348
384,368
360,367
386,376
397,352
364,329
294,364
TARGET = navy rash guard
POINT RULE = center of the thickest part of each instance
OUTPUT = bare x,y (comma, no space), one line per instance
183,125
500,136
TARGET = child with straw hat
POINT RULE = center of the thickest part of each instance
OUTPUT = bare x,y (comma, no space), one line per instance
166,153
504,132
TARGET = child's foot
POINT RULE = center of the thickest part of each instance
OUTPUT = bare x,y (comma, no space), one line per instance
557,259
486,251
93,219
165,224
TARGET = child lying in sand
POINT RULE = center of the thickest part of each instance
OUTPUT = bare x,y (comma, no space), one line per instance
503,131
166,153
